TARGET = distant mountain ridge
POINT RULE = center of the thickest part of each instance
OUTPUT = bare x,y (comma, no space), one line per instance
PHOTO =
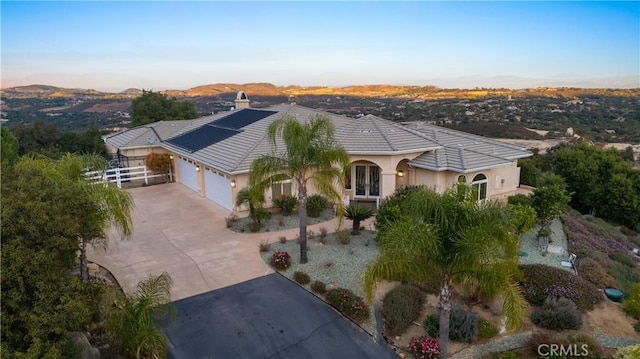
268,89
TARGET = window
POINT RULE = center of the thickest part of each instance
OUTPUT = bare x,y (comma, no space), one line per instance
462,179
479,185
280,189
347,179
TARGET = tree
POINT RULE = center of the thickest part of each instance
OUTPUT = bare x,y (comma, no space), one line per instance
9,147
549,199
310,154
153,106
131,324
110,205
462,241
357,213
43,214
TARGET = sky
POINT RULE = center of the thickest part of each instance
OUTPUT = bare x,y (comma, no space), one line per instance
178,45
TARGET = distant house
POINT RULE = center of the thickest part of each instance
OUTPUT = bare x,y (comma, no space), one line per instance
212,155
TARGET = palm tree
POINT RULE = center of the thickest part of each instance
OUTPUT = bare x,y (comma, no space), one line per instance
357,213
110,205
461,241
131,324
310,154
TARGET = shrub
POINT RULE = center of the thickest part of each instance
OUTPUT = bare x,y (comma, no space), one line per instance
343,236
636,327
259,214
318,287
285,204
520,200
557,314
425,348
593,272
265,246
301,277
523,218
348,304
282,239
630,352
323,233
254,226
486,329
316,204
431,325
357,213
628,231
230,220
400,307
622,258
158,162
281,260
632,302
463,325
541,282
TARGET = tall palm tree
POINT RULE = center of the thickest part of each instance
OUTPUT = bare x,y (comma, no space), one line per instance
310,154
110,205
131,323
461,241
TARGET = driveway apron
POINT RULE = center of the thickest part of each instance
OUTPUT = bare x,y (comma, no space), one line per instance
177,231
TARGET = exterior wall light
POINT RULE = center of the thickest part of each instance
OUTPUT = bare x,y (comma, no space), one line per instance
400,173
197,168
233,183
171,157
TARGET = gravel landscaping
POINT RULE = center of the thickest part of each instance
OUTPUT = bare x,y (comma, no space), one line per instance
337,265
278,222
557,247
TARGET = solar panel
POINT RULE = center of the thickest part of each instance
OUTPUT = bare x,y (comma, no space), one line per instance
242,118
202,137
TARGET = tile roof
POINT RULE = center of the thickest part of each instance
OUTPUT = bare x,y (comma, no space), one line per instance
463,152
441,149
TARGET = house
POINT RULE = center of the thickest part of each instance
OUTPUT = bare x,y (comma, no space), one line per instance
212,155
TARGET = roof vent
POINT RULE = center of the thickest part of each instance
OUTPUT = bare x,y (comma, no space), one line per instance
151,140
365,131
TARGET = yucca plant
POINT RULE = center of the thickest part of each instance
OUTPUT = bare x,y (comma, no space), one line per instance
357,213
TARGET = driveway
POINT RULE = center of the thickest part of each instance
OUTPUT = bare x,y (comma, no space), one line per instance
177,231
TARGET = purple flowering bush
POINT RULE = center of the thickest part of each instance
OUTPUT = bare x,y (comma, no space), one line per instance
348,304
281,260
542,282
425,348
583,236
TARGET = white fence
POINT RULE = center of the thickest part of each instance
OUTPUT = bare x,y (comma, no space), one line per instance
125,175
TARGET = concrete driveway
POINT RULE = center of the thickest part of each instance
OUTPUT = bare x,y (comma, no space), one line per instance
177,231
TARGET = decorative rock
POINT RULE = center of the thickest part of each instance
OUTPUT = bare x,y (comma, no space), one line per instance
398,338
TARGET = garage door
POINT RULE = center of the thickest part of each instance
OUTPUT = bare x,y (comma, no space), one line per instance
218,188
187,174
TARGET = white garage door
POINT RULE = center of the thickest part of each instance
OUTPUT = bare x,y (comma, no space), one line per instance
218,189
187,174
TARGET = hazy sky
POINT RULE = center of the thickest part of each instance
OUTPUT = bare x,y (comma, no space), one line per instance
159,45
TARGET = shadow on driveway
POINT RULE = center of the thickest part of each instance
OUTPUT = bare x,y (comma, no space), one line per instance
267,317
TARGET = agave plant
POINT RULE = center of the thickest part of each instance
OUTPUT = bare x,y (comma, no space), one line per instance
357,213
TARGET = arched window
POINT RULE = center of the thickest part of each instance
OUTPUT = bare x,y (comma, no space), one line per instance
480,183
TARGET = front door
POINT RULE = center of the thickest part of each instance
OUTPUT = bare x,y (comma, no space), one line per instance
367,181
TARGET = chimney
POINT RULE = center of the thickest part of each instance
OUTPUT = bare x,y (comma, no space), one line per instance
242,101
